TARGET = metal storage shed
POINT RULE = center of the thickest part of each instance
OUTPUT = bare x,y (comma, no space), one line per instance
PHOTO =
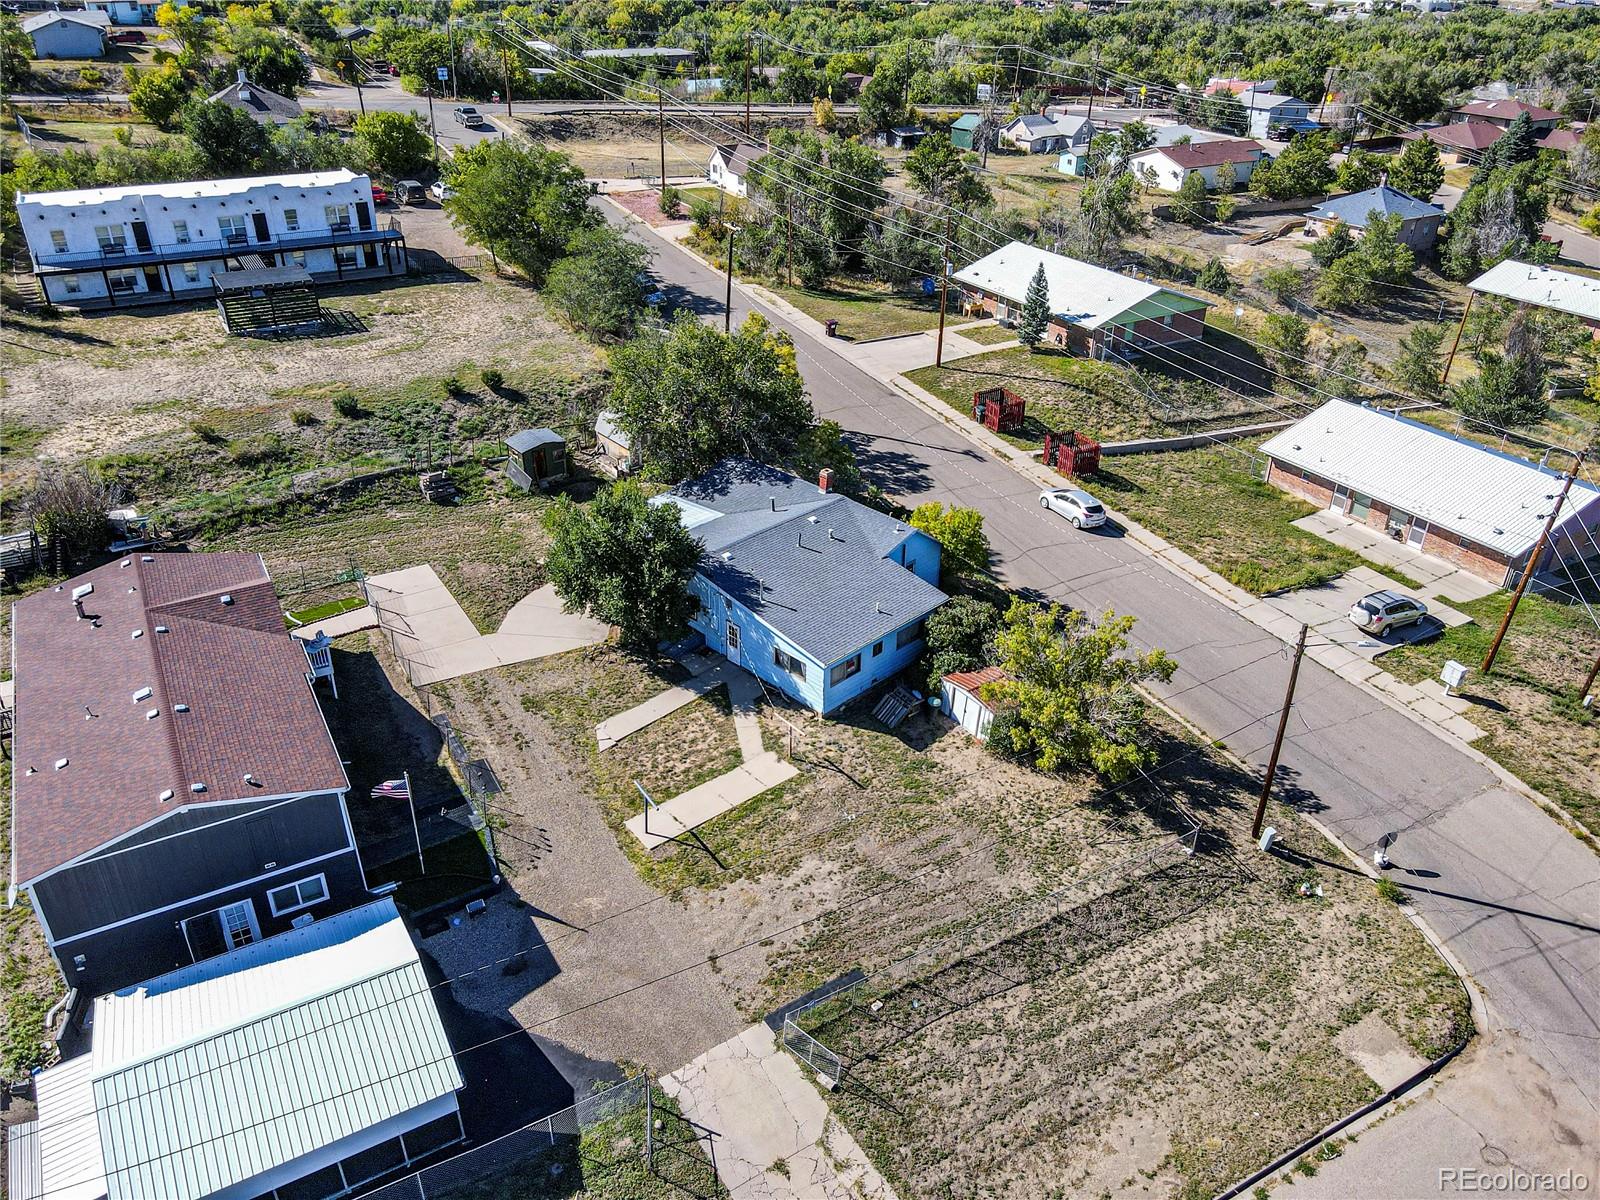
538,458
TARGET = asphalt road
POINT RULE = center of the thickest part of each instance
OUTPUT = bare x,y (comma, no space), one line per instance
1511,893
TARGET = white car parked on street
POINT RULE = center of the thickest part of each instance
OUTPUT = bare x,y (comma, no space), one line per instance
1076,505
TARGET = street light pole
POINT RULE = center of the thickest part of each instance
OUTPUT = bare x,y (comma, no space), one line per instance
727,309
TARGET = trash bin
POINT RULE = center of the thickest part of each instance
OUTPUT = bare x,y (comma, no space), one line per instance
833,328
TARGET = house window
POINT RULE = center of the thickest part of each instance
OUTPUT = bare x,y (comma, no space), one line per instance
877,649
788,662
911,633
297,257
180,232
72,284
231,228
302,893
1360,505
291,220
191,272
911,565
58,241
345,256
123,281
842,671
338,216
221,930
113,239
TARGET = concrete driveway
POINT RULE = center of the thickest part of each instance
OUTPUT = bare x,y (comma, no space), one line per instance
1326,609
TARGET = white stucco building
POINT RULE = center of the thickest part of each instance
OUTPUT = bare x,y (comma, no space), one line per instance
148,243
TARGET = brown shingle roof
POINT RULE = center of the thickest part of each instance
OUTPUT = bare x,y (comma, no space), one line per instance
1463,135
1193,155
250,709
1506,110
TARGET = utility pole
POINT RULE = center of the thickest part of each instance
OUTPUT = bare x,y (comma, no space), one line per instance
433,126
747,40
1587,689
944,287
661,133
1533,561
1462,324
789,229
1094,78
450,39
355,73
727,307
1277,741
1322,109
505,60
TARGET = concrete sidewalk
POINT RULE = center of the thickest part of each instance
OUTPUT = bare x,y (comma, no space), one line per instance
762,1111
673,818
337,626
1436,576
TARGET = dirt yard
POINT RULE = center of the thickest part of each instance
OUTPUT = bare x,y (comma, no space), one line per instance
1260,1010
618,146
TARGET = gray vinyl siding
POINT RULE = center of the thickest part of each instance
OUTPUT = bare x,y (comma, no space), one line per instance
187,819
103,890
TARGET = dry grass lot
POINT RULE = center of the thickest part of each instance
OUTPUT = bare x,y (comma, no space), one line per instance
1203,1020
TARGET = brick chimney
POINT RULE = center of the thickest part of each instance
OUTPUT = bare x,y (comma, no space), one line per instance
825,480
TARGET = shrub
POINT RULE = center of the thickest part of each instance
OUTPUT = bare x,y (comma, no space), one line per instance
206,432
1213,277
303,417
492,378
346,405
453,386
1391,891
255,451
670,198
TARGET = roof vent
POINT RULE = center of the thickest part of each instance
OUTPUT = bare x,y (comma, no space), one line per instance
147,558
151,714
727,556
143,693
227,599
137,634
161,628
251,779
125,562
180,708
61,764
166,795
812,518
197,787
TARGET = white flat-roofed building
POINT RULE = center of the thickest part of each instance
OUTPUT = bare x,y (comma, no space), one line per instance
154,242
1433,491
1544,287
315,1058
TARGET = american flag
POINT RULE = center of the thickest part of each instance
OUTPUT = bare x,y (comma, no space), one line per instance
392,789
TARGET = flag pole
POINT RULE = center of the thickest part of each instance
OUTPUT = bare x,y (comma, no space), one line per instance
411,803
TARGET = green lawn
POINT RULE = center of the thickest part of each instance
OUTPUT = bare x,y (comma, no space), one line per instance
1210,504
990,335
864,311
321,612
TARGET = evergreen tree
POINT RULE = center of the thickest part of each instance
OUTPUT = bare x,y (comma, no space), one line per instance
1035,310
1516,145
1192,205
1416,370
1214,277
1418,171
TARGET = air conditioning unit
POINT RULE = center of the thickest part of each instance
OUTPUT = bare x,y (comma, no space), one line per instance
302,920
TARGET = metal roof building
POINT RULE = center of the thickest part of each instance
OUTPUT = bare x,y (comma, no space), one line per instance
1543,287
1437,492
316,1057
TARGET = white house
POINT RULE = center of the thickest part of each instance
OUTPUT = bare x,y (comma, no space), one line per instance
73,34
1270,109
729,167
961,693
153,242
312,1062
1169,166
130,12
1048,133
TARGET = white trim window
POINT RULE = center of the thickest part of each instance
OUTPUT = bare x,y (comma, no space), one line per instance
302,893
72,284
844,670
113,239
180,232
232,229
338,216
58,241
123,282
345,256
221,930
191,272
291,220
791,663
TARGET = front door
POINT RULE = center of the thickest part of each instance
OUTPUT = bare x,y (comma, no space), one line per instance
733,643
141,237
363,215
1341,498
262,233
152,280
1417,532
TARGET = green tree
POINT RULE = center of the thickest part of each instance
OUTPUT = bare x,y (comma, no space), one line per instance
1386,258
269,59
625,561
1074,689
1214,277
1346,283
1106,214
1500,216
1333,245
158,95
304,145
596,287
884,101
1416,369
1303,169
1035,310
959,637
16,49
939,171
1516,145
191,31
1525,355
1361,169
68,505
1496,395
1287,337
229,139
963,548
1283,284
393,144
689,395
1192,204
1418,171
524,202
828,187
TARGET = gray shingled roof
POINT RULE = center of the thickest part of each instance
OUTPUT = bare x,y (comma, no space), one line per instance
810,565
1384,200
262,104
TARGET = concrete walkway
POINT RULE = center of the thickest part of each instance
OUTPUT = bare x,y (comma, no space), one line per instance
762,1111
663,704
337,626
1437,576
438,641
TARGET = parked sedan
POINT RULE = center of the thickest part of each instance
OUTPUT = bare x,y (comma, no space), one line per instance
379,194
1076,505
441,191
1382,611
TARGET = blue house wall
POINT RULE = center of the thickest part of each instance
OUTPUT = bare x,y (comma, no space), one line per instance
757,640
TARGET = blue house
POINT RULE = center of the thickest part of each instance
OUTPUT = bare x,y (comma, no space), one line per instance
817,595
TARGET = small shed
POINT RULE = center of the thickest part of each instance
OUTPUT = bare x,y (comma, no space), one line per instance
614,444
267,300
967,708
538,458
902,137
964,131
1071,453
999,409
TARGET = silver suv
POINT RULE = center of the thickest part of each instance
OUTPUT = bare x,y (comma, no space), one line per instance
1382,611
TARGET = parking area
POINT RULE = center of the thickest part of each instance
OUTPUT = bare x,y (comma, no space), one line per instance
1326,607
